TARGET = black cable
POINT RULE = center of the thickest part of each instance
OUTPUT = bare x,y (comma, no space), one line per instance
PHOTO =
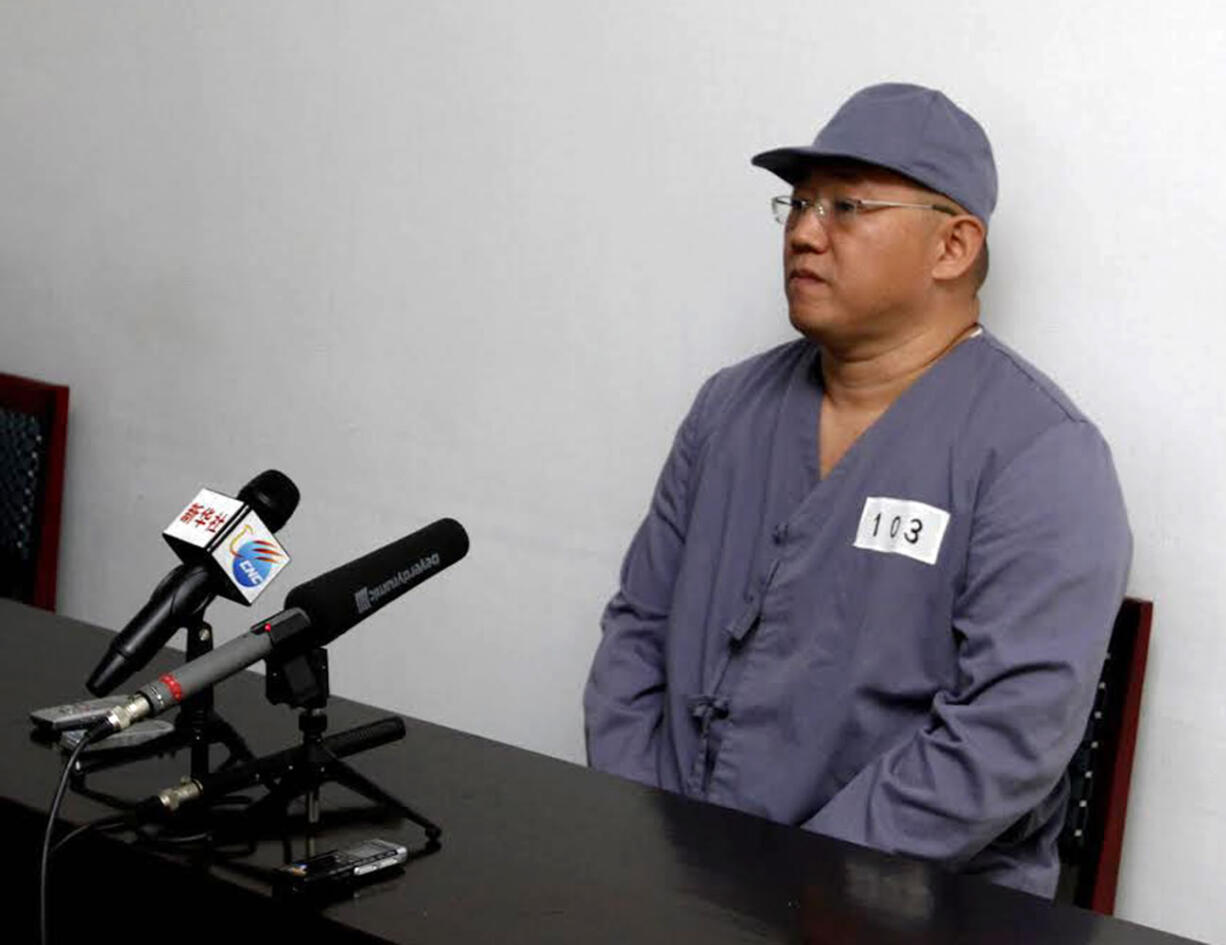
91,735
104,823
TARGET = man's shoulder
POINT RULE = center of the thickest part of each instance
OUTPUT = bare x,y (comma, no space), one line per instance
761,373
748,390
1005,403
1019,384
1018,417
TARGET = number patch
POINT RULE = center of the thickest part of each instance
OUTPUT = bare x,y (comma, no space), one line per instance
902,527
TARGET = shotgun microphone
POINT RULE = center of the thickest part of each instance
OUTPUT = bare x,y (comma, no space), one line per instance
315,614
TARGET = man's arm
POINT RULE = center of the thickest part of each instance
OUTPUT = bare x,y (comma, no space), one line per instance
1048,560
623,703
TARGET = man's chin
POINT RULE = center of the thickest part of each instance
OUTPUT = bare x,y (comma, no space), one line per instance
818,325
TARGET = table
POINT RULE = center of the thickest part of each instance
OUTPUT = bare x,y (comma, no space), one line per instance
534,849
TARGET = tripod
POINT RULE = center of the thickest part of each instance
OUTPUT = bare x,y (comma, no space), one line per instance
301,681
198,727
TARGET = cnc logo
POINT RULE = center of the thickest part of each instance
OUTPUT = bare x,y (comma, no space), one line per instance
368,597
253,559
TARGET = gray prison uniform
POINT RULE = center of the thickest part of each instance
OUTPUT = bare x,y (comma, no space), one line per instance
756,657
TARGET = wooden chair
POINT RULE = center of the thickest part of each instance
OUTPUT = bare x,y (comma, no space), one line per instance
1101,770
33,433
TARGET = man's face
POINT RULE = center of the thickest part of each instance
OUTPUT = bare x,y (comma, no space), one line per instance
857,277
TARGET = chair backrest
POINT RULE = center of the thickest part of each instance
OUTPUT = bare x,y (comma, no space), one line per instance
1101,770
33,435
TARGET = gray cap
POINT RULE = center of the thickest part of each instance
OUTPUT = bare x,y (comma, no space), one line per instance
908,129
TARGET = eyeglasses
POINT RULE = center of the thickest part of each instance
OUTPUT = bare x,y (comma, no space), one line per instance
839,210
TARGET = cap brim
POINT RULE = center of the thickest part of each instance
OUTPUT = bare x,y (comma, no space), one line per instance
794,164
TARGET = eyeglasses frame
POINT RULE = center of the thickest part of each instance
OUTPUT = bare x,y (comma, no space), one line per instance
823,207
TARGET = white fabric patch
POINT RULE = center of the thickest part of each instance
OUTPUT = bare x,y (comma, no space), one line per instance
902,527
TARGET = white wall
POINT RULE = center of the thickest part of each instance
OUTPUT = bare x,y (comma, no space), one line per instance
474,258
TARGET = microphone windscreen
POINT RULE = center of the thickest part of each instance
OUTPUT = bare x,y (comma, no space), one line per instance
340,598
273,496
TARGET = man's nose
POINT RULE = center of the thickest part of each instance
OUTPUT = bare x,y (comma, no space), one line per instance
808,233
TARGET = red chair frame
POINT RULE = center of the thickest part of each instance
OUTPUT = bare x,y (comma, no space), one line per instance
1138,614
49,403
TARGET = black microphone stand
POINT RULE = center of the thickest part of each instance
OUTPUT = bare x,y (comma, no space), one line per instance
301,681
197,721
197,726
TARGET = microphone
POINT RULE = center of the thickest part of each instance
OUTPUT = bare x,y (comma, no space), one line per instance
226,547
338,599
316,613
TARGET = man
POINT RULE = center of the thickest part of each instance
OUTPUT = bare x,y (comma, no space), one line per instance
873,591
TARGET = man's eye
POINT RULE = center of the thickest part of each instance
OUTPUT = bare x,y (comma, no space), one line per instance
843,207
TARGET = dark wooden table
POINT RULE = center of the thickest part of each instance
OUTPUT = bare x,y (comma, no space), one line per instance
533,850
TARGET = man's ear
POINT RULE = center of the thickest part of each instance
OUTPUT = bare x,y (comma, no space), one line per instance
960,240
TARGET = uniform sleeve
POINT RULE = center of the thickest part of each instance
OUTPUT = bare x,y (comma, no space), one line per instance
623,702
1048,560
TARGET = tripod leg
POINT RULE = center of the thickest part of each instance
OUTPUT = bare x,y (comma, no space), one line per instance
276,802
225,734
341,773
167,743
